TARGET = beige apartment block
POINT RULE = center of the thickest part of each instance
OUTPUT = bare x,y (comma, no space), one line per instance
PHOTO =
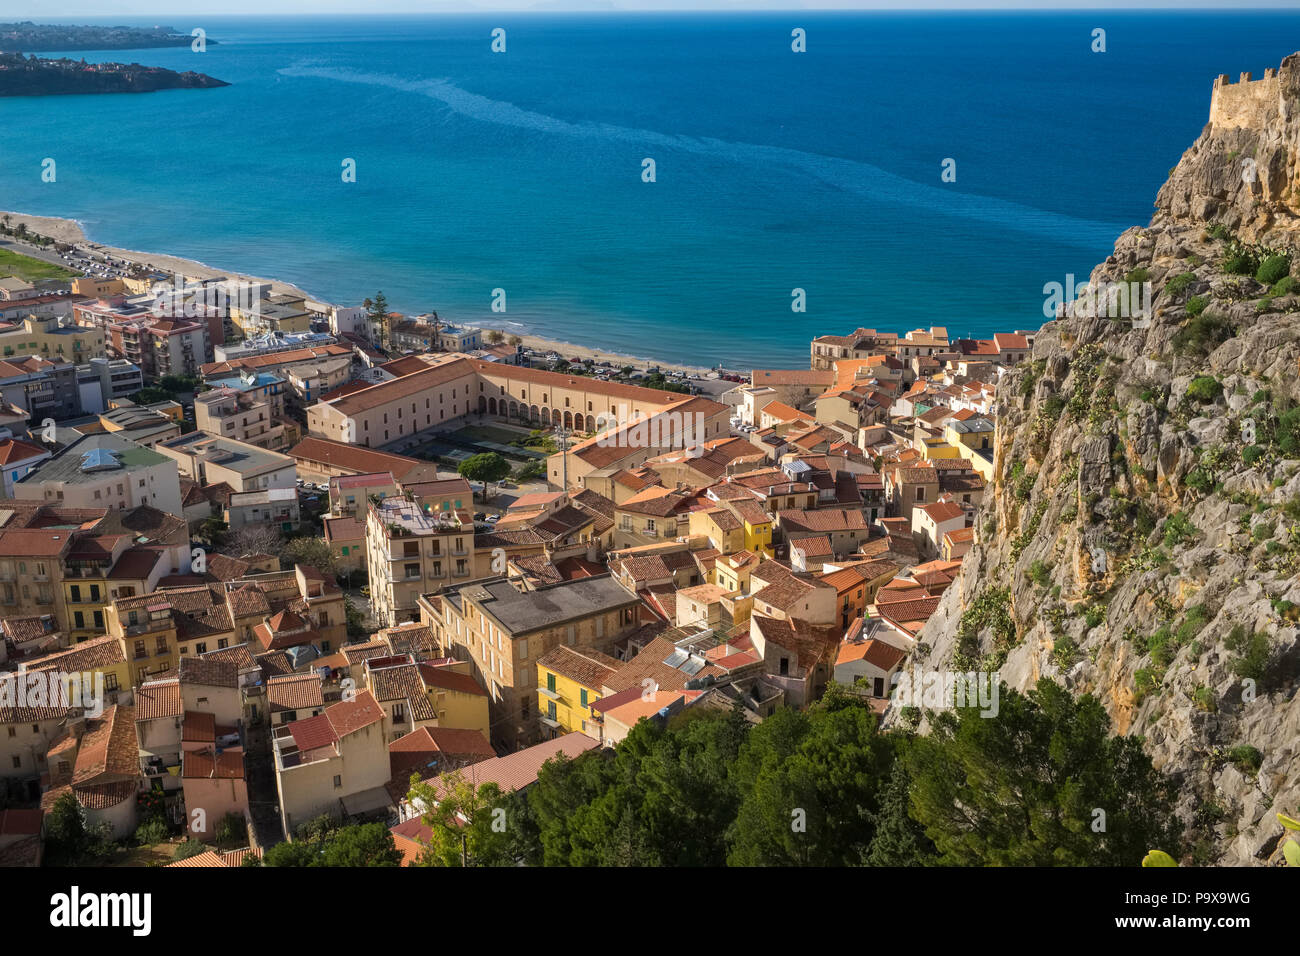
502,631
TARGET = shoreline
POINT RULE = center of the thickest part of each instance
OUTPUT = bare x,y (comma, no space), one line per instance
72,232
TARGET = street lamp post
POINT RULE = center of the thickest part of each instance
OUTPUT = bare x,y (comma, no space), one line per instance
563,434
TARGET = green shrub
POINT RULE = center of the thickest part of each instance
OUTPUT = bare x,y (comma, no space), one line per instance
1204,389
1178,529
1095,616
189,848
1144,682
1196,304
1202,334
1240,259
1288,430
1064,651
1284,286
1246,758
1254,657
1040,573
1273,269
1251,454
1179,284
152,831
1194,622
1200,480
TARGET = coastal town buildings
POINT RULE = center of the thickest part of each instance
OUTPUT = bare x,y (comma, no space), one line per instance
669,550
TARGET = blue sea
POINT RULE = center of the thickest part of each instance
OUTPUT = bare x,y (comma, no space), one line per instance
774,170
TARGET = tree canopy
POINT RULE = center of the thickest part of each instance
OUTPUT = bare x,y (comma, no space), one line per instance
486,467
1041,784
825,787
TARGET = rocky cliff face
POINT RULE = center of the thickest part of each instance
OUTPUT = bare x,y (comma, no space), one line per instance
1143,540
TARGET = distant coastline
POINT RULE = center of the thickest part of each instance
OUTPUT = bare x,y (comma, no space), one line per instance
29,37
38,76
72,232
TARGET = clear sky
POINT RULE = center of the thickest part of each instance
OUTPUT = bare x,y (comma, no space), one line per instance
176,9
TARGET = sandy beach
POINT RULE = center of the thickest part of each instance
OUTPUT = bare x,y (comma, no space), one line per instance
70,231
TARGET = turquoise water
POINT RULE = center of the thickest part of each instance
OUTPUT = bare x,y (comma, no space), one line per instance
775,170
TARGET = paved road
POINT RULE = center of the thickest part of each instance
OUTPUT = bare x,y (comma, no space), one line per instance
33,252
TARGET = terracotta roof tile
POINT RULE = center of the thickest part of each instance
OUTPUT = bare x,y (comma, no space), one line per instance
294,692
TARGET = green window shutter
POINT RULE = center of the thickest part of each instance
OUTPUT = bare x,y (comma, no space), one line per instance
583,697
550,683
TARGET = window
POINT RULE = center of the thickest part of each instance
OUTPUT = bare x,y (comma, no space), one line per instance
785,666
569,634
18,763
338,781
13,732
523,648
582,697
550,683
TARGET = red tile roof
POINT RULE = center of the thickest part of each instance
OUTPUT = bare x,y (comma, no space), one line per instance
353,457
209,765
518,770
313,732
349,716
445,678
